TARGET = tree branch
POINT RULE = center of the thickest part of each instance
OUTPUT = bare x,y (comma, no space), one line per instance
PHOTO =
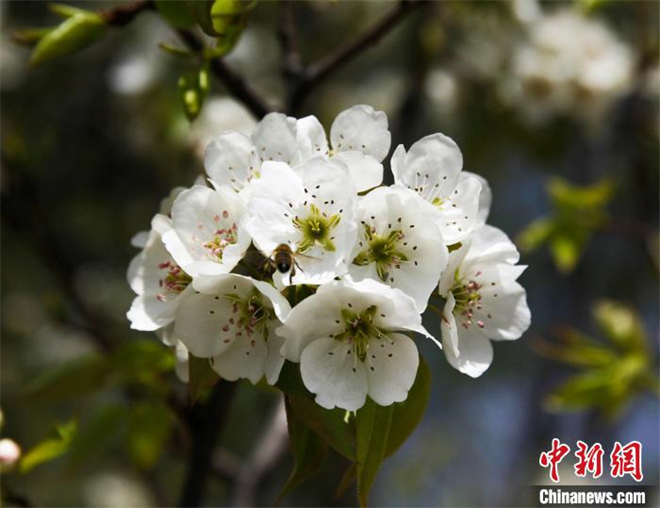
123,14
206,423
232,81
292,67
320,70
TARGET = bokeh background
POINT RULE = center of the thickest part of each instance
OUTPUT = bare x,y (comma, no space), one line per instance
532,92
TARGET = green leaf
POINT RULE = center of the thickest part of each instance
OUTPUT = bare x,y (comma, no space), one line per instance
406,415
586,198
193,89
373,424
201,377
177,13
621,324
566,250
536,234
309,452
330,424
589,389
149,428
73,34
201,10
29,36
49,449
77,378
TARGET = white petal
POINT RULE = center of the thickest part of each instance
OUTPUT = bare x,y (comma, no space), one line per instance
139,240
391,368
166,335
449,327
230,160
203,324
197,215
182,365
431,167
245,358
476,353
459,211
313,318
485,197
389,209
366,172
363,129
274,356
147,314
312,140
275,139
330,370
489,244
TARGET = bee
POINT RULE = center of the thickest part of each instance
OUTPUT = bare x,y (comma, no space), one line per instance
283,259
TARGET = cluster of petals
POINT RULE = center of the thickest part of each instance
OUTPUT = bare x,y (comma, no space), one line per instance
368,258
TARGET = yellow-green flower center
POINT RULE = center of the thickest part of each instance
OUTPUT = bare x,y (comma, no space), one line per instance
316,229
383,251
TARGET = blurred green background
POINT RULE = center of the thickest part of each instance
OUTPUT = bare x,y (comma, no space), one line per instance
556,104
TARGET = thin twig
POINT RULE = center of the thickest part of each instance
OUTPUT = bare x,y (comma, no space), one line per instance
123,14
320,70
292,67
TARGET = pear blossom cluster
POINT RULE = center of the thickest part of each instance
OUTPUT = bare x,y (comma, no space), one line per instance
293,249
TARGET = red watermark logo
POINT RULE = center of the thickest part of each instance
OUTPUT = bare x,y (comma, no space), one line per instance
624,460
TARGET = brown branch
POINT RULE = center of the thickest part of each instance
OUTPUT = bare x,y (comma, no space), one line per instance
292,67
123,14
232,81
320,70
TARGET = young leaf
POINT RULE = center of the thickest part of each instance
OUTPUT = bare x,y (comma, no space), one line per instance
73,34
309,452
49,449
201,376
406,415
193,89
373,424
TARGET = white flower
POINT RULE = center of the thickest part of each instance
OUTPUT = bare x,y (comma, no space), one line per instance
207,237
234,159
570,65
232,320
156,278
311,210
483,300
360,139
347,342
397,244
432,168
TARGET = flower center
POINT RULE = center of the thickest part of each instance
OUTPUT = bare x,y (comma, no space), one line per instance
359,329
316,229
221,238
174,281
468,299
383,251
249,314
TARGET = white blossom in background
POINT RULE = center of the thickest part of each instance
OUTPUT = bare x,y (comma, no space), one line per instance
349,342
432,168
233,320
397,244
207,237
311,210
569,65
483,300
